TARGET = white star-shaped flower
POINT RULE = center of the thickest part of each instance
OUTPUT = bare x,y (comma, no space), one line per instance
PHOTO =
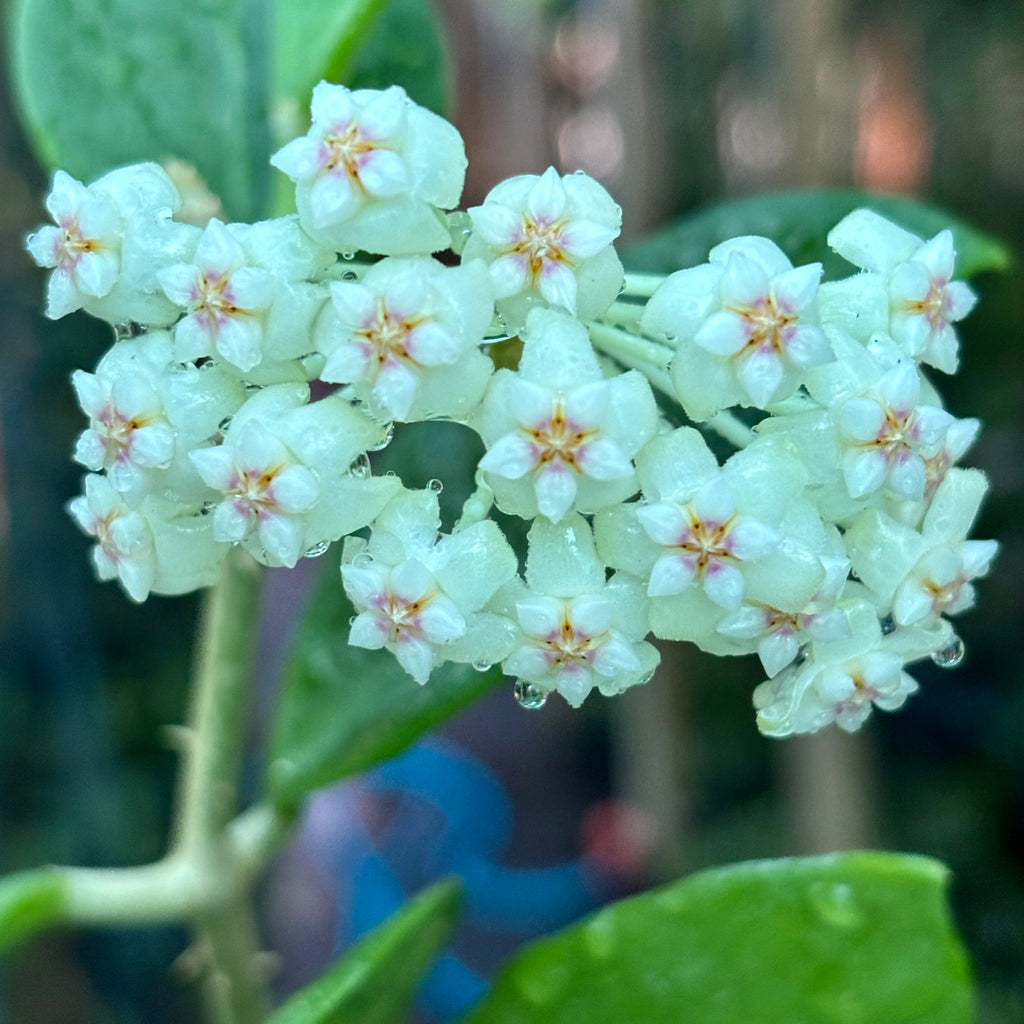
124,541
924,300
84,248
840,681
224,297
560,436
888,433
402,608
576,630
266,491
284,474
420,594
373,171
745,324
547,240
128,433
407,336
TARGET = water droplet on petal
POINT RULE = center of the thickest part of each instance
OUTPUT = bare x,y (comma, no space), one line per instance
224,424
389,433
348,255
482,665
360,466
352,619
127,329
951,654
435,485
888,625
363,560
317,549
529,696
349,275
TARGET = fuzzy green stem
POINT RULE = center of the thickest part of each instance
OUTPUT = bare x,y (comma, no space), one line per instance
642,286
731,427
235,992
213,744
649,357
623,314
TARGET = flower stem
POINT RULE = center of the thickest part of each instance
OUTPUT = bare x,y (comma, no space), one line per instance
642,286
729,426
213,745
225,931
649,357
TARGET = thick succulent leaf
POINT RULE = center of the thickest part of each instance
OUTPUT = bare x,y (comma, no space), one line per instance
29,902
107,82
798,222
314,40
854,938
342,708
406,46
373,982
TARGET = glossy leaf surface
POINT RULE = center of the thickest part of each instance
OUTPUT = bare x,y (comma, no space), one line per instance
854,938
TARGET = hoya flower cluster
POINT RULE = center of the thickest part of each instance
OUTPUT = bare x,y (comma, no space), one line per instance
256,365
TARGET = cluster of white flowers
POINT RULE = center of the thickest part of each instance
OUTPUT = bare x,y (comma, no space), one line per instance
832,543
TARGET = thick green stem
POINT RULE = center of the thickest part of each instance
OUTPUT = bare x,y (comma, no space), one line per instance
225,931
213,741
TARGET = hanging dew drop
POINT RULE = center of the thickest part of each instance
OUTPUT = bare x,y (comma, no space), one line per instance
360,467
951,655
482,665
435,485
529,696
389,433
317,549
348,255
127,329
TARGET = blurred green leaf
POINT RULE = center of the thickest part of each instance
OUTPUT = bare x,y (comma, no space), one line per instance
314,39
373,983
798,223
406,46
107,82
29,902
343,709
856,938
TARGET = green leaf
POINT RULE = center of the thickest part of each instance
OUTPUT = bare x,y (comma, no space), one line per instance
107,82
314,40
343,709
855,938
29,902
374,982
405,47
798,223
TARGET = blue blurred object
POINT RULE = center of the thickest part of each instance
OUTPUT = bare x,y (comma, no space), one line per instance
446,814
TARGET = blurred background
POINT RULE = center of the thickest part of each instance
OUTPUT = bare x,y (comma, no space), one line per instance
673,104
